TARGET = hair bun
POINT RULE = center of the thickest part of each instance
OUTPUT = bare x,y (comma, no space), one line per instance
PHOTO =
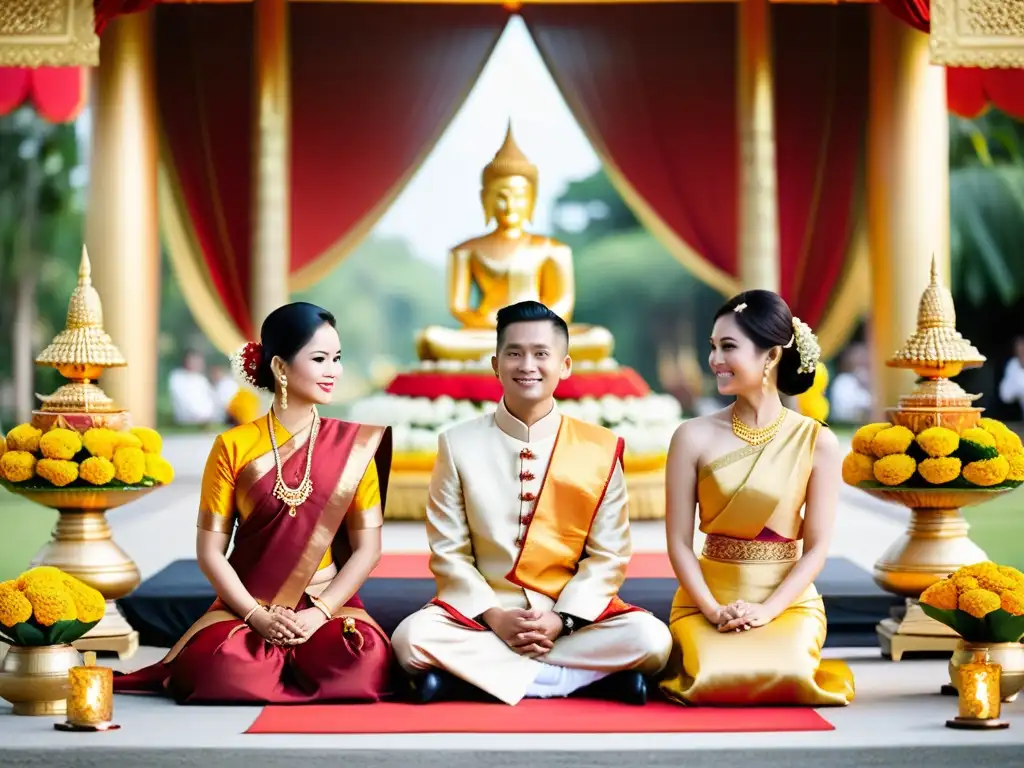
246,363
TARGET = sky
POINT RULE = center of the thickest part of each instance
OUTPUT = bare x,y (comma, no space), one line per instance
441,205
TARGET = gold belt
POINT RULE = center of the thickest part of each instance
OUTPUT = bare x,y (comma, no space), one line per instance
719,547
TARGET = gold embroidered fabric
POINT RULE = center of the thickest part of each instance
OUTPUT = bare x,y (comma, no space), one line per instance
746,551
977,33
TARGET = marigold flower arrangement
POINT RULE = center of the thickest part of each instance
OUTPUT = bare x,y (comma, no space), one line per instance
100,457
45,606
990,455
983,603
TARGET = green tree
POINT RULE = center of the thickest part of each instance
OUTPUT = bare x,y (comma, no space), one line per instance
41,225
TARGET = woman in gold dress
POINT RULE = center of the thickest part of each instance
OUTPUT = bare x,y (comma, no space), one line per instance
747,622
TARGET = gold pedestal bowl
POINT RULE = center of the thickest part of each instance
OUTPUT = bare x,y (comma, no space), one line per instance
82,546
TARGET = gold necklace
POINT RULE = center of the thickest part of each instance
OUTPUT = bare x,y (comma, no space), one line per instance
754,436
294,497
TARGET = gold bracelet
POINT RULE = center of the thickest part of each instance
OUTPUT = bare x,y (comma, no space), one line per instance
251,612
322,606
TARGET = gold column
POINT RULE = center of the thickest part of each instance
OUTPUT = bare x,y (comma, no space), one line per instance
907,190
758,203
271,214
121,223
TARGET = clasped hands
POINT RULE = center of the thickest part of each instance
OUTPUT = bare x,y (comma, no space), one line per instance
527,632
740,616
283,626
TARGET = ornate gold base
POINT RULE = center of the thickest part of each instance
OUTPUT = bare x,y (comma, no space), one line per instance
82,547
934,545
407,495
973,724
914,632
112,635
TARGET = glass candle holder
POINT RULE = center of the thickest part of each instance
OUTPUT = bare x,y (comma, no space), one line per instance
979,700
90,697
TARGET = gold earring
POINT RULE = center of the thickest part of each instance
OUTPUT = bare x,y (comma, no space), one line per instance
284,392
764,380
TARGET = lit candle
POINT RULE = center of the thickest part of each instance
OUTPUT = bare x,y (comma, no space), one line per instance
90,696
979,694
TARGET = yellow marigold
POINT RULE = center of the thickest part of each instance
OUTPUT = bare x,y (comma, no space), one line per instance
150,439
892,441
60,444
96,470
3,445
24,437
244,407
128,440
1012,601
979,602
862,437
964,582
857,468
101,442
987,472
992,425
1008,443
14,606
941,595
894,469
995,581
129,465
17,466
42,574
159,468
939,471
51,603
89,603
57,471
978,436
1016,473
1012,573
938,441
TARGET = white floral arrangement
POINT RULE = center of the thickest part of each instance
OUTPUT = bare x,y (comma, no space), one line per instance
645,423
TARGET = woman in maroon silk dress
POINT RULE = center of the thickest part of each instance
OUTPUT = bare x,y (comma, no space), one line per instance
307,496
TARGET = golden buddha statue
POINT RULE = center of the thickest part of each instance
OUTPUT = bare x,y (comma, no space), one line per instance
506,266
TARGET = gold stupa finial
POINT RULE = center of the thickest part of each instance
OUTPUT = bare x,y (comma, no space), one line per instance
510,161
83,340
936,344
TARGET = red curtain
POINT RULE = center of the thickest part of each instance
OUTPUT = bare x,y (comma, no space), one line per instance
654,86
373,87
969,90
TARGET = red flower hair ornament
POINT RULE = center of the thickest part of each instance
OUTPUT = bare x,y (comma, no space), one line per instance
246,362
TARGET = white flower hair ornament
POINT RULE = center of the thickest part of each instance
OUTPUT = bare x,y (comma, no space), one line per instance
246,362
807,345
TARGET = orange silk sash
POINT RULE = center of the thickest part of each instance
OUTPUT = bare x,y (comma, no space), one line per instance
582,462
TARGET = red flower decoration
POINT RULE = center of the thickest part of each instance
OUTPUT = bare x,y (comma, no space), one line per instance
527,475
527,496
246,362
526,453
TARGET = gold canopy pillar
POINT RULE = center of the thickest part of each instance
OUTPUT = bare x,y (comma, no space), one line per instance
121,224
271,209
907,190
758,203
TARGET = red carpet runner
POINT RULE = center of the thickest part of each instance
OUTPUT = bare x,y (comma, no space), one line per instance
416,565
533,716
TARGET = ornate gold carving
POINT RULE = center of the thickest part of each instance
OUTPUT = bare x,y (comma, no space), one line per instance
718,547
977,33
48,33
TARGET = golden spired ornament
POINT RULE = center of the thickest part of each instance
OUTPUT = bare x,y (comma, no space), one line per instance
294,497
753,436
